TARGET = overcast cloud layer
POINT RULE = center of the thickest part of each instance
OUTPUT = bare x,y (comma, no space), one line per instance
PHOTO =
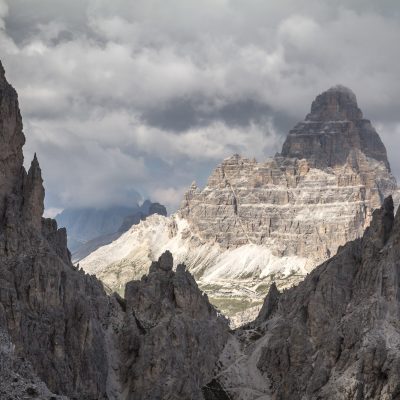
124,97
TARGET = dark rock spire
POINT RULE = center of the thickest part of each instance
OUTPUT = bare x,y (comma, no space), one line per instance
34,195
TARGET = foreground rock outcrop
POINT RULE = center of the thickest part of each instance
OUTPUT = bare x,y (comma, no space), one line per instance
60,334
53,313
261,222
172,335
334,336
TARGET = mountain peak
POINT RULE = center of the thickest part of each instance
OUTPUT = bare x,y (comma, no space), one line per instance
334,132
338,103
33,205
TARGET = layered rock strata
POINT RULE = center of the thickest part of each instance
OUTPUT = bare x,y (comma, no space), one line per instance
261,222
333,130
316,195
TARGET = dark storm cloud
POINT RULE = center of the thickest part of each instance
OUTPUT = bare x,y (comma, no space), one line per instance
181,114
121,96
26,18
177,115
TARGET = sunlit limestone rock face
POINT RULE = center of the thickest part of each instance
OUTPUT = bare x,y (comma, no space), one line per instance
259,222
318,194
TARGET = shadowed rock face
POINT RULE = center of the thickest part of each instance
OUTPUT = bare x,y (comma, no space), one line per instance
170,323
54,314
336,104
333,130
60,334
12,140
334,336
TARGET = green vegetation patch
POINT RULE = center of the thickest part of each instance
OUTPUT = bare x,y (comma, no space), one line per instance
232,305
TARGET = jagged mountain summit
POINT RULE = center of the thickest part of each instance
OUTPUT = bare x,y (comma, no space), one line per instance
335,336
273,221
61,336
334,131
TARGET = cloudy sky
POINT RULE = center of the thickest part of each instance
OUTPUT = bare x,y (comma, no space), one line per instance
141,97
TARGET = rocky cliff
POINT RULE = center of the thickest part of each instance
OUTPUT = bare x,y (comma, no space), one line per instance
172,335
273,221
41,294
334,336
60,334
316,195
